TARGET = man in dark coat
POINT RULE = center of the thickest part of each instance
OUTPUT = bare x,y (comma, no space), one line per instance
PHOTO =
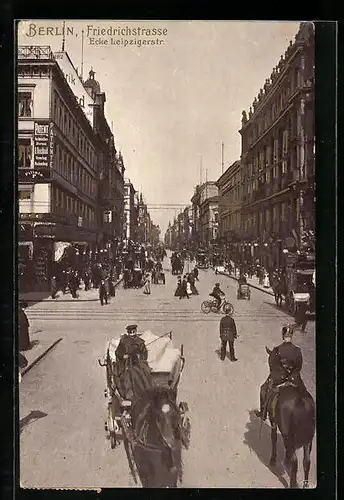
24,337
285,363
195,273
228,333
132,367
217,293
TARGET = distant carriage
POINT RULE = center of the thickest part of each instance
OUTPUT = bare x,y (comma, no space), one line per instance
244,292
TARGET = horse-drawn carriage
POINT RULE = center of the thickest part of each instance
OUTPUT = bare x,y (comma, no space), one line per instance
244,291
202,260
166,364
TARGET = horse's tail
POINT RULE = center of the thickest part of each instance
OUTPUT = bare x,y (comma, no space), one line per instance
302,421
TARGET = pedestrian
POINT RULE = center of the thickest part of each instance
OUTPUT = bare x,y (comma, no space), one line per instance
73,285
24,336
301,315
103,295
188,289
195,273
183,292
228,333
54,287
147,284
178,291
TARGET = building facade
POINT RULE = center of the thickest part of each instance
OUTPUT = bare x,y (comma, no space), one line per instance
64,151
130,212
229,185
57,164
278,156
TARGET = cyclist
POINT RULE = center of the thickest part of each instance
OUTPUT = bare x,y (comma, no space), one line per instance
217,293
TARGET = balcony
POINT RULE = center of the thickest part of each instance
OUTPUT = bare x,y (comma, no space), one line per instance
35,52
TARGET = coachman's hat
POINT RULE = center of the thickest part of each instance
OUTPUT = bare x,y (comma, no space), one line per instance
131,328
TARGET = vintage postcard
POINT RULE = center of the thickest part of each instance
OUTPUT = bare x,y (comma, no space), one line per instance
166,184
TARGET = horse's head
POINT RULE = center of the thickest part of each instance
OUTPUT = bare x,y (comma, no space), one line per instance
166,415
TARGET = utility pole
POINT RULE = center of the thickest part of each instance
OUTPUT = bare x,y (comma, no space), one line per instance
82,55
63,35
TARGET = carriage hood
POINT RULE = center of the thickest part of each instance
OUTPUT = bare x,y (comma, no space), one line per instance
162,357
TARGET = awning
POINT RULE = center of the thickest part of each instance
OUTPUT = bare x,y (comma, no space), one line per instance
60,249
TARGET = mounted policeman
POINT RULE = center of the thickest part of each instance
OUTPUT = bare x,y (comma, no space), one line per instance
285,363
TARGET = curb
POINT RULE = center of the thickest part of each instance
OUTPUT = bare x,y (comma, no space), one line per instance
34,362
50,299
249,284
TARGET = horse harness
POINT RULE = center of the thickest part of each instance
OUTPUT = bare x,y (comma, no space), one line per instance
140,433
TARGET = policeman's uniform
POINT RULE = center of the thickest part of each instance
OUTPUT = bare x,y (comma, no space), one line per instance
285,363
228,333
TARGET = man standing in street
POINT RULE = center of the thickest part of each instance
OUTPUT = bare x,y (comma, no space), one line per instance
228,333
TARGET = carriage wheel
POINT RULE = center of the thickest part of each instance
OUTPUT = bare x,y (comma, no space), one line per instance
214,307
131,460
228,308
205,307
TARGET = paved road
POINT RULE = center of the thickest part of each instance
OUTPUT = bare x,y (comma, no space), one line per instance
62,407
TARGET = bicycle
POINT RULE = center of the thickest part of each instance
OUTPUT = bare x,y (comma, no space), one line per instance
211,305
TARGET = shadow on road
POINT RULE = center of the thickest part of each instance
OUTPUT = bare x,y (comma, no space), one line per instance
218,352
261,446
31,417
310,317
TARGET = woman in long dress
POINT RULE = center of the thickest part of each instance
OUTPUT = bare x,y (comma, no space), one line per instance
179,286
148,281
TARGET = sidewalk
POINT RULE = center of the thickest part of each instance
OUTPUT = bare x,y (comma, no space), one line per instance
252,282
40,346
34,297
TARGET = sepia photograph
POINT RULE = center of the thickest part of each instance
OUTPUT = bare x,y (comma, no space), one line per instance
166,254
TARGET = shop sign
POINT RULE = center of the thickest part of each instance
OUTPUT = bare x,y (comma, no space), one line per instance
41,145
51,147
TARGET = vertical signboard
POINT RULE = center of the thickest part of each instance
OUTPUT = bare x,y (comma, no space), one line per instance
51,146
41,145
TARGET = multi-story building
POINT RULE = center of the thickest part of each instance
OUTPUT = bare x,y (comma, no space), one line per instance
229,185
69,177
111,173
278,160
57,164
130,215
208,212
196,202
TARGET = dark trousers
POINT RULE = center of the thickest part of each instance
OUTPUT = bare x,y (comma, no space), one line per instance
231,348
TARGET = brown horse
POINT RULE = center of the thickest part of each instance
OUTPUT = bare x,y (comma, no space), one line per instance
295,418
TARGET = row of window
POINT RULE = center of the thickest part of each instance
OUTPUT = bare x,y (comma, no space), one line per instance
73,171
64,203
69,126
272,218
276,107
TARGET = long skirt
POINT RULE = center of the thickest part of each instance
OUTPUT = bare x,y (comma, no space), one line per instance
147,288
